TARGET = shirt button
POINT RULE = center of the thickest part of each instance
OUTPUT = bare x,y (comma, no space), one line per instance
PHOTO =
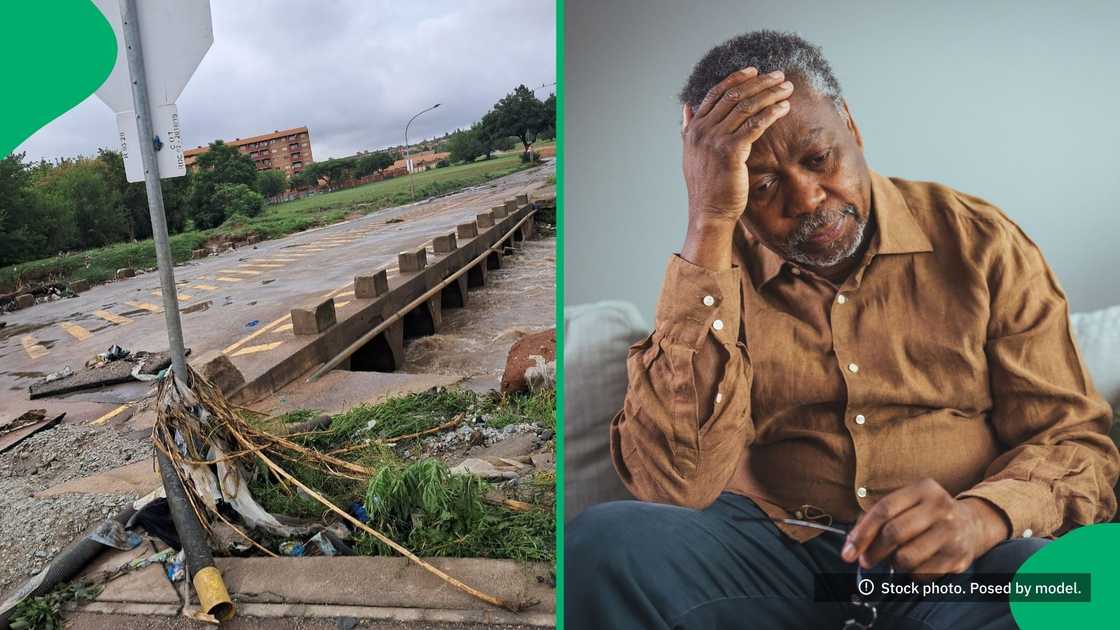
860,419
1027,533
861,492
719,398
840,299
852,367
718,324
709,300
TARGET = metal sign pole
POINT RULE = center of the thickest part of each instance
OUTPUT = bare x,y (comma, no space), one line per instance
135,55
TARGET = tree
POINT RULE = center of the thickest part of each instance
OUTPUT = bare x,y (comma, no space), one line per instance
521,114
221,164
271,183
373,163
26,218
82,190
238,199
465,145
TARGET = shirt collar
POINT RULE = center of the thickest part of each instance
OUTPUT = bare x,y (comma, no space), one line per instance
898,232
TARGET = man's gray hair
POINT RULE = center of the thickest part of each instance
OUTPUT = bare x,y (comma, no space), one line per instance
768,51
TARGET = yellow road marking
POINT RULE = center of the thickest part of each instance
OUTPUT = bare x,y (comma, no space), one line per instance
112,317
263,330
76,331
225,279
204,287
265,265
341,304
276,260
147,307
285,327
109,416
181,296
32,347
264,347
248,272
348,293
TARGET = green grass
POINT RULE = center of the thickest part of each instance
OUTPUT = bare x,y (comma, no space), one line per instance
420,504
100,264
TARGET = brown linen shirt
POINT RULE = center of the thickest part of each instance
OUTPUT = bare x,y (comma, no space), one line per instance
946,354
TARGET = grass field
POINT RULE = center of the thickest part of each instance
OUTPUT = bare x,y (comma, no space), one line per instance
99,265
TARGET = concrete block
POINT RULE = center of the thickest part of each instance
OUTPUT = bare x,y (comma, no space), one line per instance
499,212
445,244
80,286
413,261
127,272
25,300
522,200
219,370
199,253
467,230
312,320
511,206
484,220
371,285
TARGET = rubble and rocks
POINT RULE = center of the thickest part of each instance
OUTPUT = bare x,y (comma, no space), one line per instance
104,370
531,363
33,530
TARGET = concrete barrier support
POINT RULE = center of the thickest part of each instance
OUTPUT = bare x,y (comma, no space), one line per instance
485,221
425,319
312,320
371,285
454,295
528,229
522,200
511,206
445,244
499,212
384,353
466,230
476,275
413,261
494,260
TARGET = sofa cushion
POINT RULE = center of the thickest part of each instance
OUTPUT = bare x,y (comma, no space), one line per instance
1098,338
597,338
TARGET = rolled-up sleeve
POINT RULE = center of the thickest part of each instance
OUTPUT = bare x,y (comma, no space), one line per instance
686,417
1060,466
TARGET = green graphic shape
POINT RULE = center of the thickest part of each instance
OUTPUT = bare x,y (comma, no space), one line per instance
1094,550
58,54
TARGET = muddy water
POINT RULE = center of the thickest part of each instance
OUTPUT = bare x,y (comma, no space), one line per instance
473,343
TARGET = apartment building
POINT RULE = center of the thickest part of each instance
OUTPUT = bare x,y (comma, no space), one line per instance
287,150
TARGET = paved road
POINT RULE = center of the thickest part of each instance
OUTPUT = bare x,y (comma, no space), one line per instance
96,621
236,301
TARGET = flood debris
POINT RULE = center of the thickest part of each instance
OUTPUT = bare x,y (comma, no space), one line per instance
26,425
531,363
112,367
217,454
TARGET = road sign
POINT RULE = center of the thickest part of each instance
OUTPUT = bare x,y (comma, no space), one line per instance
175,35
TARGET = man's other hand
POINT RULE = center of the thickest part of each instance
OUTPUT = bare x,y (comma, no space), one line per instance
926,530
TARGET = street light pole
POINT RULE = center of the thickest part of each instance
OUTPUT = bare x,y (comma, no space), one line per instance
408,155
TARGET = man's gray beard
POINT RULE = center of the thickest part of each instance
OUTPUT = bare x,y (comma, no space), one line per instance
828,258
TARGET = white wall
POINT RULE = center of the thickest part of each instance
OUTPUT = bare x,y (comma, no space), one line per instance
1016,102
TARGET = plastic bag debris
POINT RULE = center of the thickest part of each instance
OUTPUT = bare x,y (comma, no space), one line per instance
65,372
291,548
112,534
176,569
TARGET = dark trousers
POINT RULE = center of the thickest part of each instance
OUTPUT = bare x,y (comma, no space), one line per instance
630,564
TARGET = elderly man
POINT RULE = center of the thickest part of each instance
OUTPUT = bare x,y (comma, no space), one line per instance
890,357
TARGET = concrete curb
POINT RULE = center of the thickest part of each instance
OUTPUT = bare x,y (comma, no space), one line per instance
292,611
379,587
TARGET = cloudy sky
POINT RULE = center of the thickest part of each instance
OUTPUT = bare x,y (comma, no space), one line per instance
353,71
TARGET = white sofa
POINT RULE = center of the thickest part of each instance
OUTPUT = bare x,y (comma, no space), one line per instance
597,337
